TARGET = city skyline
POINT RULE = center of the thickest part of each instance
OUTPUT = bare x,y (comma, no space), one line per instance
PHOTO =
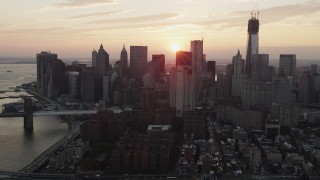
73,28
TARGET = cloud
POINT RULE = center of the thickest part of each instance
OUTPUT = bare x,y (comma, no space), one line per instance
148,18
95,14
83,3
269,15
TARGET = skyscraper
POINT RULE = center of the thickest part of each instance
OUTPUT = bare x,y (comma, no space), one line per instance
281,89
288,62
182,90
306,89
74,84
211,66
260,68
196,48
58,79
44,69
314,68
94,58
253,42
183,58
87,83
101,62
123,62
238,74
138,61
159,60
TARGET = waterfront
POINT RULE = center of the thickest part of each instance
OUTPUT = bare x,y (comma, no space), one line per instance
18,147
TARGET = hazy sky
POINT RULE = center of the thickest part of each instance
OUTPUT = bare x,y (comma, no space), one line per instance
73,28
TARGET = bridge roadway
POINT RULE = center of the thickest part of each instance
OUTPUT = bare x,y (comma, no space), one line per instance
15,97
44,157
17,114
51,113
64,112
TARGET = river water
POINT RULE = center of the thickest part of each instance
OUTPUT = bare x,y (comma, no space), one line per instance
17,146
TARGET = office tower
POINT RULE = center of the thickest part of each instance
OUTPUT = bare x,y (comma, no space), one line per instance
282,108
159,60
130,96
87,80
147,98
151,69
211,66
123,62
281,89
117,67
74,84
288,64
94,58
253,42
196,48
44,67
183,58
204,64
106,89
227,87
256,93
238,74
148,81
58,79
306,89
138,61
101,62
182,89
314,68
260,70
172,87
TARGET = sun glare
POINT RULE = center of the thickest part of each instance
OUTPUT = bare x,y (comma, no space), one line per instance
175,47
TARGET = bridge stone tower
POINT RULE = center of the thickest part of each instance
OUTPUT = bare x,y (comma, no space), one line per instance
28,116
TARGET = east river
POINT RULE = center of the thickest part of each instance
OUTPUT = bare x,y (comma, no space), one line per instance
17,146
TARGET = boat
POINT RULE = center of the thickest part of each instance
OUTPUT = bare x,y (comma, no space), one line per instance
9,71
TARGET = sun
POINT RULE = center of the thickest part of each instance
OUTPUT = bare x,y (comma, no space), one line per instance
175,47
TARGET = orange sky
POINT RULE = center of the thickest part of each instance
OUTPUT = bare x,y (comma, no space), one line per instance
72,28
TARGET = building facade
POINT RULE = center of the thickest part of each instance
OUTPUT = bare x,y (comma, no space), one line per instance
288,62
123,62
138,61
238,74
44,68
253,43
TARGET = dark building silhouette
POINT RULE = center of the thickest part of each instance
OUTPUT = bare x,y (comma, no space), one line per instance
98,88
90,130
123,62
211,66
44,70
253,43
194,123
130,96
144,153
138,61
87,79
58,79
100,61
183,58
288,63
260,70
159,61
147,98
306,89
